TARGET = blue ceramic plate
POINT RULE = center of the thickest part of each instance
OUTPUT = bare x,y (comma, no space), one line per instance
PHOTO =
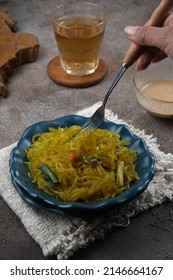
32,195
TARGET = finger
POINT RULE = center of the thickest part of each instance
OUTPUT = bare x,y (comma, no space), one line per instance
160,56
144,60
160,37
169,19
145,35
147,57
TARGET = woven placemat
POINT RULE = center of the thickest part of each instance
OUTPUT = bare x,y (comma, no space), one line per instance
62,236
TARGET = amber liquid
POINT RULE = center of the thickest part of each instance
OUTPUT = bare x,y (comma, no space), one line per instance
160,98
161,90
79,39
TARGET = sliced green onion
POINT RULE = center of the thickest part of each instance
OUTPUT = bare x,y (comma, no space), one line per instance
120,171
92,160
49,177
69,139
117,148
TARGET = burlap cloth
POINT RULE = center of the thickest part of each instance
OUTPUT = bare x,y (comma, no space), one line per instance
62,236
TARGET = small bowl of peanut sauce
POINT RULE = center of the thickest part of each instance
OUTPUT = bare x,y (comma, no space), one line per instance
154,88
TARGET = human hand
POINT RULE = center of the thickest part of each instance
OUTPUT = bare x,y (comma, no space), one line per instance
158,41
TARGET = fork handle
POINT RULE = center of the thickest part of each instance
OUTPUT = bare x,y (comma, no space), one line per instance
157,18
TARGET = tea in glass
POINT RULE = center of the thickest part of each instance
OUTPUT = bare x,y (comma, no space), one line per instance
79,30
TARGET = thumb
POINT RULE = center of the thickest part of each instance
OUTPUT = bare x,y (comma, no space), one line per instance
146,35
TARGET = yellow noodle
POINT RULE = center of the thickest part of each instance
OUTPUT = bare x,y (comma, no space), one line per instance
85,164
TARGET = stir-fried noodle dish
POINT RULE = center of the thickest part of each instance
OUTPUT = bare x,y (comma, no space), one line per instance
87,167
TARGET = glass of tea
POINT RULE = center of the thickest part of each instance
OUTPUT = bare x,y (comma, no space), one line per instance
79,29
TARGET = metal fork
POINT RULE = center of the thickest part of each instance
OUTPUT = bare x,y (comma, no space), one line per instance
96,119
133,53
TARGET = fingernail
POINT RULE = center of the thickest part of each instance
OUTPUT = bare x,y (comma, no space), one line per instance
137,68
130,30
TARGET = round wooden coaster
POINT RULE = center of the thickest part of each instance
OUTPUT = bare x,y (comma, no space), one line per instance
58,75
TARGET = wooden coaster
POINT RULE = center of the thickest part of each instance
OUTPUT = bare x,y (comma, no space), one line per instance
58,75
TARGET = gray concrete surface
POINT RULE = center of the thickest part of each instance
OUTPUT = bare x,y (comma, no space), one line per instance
34,97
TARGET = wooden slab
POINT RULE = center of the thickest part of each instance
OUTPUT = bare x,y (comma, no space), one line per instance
14,49
58,75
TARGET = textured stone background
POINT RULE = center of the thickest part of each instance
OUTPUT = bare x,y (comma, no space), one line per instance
33,96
